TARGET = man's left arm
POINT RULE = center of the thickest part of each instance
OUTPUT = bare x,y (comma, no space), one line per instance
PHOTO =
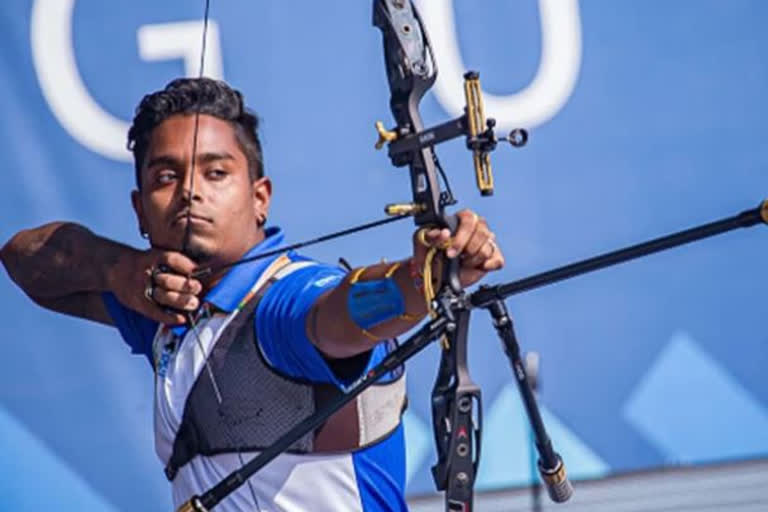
384,300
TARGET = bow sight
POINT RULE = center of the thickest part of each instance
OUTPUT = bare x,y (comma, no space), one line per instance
480,137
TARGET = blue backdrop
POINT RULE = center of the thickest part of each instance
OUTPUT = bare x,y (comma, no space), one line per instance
645,118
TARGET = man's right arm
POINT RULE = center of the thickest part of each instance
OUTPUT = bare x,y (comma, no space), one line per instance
65,267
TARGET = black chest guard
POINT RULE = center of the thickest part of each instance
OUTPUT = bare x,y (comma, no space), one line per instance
258,404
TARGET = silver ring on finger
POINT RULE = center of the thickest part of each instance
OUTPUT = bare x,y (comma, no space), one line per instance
149,291
493,248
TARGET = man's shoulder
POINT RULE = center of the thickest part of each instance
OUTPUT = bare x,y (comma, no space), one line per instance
282,314
305,270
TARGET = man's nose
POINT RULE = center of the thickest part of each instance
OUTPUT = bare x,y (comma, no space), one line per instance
190,185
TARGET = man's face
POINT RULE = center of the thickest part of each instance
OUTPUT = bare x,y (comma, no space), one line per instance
225,205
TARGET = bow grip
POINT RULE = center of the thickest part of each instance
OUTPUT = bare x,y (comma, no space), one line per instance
451,269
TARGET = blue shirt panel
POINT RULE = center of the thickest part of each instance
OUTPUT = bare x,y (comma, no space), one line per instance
137,330
281,319
380,474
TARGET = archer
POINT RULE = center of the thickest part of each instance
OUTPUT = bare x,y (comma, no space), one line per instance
242,354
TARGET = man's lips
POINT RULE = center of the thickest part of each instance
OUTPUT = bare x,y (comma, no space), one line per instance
182,217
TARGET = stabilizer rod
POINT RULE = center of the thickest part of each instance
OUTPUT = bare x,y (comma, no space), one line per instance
487,295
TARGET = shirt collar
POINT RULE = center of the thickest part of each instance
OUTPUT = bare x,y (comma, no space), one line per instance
239,279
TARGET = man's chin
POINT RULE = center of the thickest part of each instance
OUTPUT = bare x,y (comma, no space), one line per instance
198,252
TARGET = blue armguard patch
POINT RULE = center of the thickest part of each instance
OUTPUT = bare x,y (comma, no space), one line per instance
372,302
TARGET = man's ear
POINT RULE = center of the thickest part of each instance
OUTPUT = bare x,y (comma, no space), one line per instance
136,202
262,195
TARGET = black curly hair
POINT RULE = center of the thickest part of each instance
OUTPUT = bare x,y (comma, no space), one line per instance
188,96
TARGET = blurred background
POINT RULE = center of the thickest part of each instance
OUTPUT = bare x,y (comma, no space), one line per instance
644,117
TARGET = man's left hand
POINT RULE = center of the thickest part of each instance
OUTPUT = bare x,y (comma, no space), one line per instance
473,243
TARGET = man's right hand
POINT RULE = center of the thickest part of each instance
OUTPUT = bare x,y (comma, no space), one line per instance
156,284
65,267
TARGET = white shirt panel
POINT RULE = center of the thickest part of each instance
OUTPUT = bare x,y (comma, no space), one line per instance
174,379
290,483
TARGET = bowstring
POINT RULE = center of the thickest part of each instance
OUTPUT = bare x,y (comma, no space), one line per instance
185,241
298,245
185,246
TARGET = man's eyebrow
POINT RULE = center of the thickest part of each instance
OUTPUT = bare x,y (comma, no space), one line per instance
165,161
205,158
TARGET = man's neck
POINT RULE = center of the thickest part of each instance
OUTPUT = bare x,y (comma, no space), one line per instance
210,281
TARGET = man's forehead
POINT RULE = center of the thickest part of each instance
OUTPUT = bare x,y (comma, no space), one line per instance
176,136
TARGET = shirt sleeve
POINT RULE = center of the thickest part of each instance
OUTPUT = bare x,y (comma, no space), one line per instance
137,330
281,322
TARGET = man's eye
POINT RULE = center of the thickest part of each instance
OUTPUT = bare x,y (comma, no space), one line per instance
166,177
217,174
